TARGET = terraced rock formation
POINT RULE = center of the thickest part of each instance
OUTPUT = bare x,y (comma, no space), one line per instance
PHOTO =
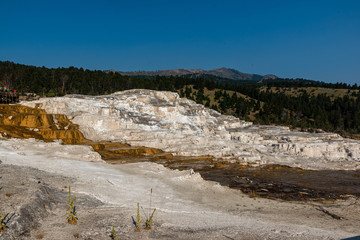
36,174
24,122
267,181
165,121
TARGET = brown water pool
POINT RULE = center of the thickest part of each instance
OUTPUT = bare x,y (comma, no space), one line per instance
270,181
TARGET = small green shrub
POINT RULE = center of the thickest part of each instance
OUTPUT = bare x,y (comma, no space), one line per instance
148,216
71,213
138,220
113,234
4,221
148,221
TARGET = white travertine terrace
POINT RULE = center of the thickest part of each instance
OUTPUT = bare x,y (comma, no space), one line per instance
164,120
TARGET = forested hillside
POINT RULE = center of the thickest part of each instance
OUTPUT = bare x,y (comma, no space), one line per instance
304,104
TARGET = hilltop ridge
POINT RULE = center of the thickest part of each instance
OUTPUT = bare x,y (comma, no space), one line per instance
227,73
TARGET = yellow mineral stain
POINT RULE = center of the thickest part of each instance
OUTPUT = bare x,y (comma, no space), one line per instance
24,122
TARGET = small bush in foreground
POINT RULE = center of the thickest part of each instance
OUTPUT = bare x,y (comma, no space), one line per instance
4,221
113,234
138,220
71,213
149,217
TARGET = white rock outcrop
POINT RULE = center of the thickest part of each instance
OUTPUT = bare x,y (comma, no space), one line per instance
164,120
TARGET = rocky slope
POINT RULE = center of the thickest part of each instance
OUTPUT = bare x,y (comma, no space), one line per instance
164,120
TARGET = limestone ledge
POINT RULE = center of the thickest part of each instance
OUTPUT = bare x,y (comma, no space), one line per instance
164,120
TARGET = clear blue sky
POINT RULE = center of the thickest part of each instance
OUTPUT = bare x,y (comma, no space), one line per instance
317,40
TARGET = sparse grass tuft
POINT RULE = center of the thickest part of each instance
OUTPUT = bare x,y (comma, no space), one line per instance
148,221
113,234
138,221
71,213
4,221
149,218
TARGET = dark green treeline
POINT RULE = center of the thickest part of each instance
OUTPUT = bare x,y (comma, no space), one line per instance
309,112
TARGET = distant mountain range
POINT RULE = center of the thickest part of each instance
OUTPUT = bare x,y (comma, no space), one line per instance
223,73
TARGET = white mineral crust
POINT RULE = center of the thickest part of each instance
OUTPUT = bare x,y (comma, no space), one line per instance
164,120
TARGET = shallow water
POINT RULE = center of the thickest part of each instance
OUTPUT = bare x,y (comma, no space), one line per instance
270,181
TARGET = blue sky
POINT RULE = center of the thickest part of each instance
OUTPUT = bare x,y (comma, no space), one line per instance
317,40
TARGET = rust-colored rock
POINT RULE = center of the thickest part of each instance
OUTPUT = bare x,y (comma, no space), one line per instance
124,153
25,122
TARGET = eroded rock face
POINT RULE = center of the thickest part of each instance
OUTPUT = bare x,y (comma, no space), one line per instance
164,120
24,122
